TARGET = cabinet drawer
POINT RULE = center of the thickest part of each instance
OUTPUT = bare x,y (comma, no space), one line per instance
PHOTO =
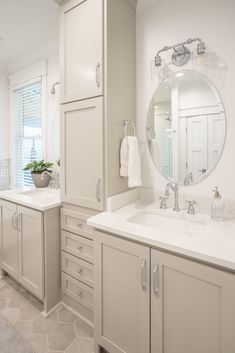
78,246
76,222
78,291
77,268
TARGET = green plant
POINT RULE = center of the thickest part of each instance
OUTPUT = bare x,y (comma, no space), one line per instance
38,166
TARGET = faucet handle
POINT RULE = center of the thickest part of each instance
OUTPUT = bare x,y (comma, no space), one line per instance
191,208
163,199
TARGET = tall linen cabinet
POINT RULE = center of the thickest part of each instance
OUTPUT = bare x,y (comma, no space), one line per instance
98,91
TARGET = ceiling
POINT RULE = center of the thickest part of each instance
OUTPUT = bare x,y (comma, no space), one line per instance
26,26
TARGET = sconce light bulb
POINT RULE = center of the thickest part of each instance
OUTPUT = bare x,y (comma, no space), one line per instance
158,60
201,48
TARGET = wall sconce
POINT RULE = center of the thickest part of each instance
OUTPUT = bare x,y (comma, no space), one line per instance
181,53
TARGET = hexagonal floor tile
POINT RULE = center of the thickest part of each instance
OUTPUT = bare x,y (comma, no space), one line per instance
24,328
60,337
38,343
81,345
82,329
66,316
42,325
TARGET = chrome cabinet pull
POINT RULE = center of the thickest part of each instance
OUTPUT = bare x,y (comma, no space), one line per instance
98,182
13,220
18,221
156,291
98,75
143,275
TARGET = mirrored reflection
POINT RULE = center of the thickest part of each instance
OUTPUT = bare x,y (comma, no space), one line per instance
186,127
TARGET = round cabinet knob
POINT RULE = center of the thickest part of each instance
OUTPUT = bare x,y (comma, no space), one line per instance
79,248
79,224
79,294
79,270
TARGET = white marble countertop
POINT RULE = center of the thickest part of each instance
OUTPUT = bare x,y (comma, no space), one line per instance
210,241
38,199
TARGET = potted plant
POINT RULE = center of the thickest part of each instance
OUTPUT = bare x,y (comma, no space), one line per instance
37,169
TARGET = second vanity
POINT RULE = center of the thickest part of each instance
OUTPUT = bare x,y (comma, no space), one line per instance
30,241
164,281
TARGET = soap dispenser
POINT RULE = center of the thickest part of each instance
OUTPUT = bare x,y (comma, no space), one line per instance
217,206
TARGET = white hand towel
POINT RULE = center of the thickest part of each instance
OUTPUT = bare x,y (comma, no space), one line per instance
130,161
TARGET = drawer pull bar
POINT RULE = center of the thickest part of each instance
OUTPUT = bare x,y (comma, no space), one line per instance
143,275
156,291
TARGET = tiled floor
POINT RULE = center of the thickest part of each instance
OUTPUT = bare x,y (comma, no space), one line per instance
61,332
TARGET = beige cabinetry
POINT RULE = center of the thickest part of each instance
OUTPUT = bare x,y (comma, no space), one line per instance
185,307
9,241
122,285
77,255
30,249
82,153
97,59
81,29
192,307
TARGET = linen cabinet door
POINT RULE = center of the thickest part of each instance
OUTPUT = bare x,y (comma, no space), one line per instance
192,307
122,289
81,34
82,153
8,238
30,251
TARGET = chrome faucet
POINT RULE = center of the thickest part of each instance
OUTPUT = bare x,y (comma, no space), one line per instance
175,188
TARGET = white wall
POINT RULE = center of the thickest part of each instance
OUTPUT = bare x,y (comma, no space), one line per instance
4,145
168,22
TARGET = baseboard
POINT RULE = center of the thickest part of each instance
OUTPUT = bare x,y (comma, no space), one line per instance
88,322
52,310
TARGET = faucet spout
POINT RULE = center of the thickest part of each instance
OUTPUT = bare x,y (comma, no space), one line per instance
175,188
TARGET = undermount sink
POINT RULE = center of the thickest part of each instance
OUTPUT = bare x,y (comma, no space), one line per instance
170,222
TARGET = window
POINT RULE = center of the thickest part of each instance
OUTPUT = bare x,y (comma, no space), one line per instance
28,114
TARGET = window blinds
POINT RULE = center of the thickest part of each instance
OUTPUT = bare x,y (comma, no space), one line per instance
28,101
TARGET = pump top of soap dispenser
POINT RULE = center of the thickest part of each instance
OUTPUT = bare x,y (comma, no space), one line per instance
216,193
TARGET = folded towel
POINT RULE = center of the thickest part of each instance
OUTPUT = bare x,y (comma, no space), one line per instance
130,161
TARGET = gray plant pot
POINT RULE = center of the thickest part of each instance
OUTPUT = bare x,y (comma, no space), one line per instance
38,182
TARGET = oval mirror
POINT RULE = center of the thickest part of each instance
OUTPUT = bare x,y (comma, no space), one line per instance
186,127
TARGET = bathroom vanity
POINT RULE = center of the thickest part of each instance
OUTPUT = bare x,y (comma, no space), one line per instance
164,282
30,241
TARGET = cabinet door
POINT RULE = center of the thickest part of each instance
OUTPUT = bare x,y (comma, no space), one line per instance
192,307
122,305
8,238
30,250
82,153
81,50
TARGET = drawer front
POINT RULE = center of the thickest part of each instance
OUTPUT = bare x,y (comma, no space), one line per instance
76,223
77,268
78,246
78,291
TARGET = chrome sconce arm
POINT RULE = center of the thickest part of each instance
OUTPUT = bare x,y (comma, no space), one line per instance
181,53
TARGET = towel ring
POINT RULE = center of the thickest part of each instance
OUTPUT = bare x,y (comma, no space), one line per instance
127,123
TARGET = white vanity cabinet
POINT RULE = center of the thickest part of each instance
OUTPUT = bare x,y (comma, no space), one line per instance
185,307
81,35
122,291
30,249
82,153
